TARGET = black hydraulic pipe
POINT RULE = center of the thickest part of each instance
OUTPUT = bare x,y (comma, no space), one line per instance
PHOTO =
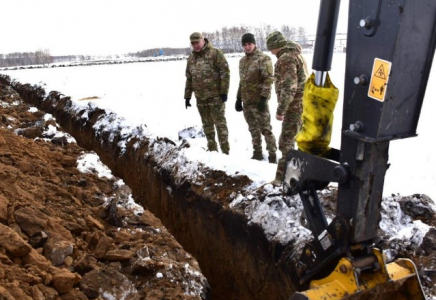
325,35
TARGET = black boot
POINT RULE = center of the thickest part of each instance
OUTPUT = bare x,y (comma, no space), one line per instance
272,158
257,155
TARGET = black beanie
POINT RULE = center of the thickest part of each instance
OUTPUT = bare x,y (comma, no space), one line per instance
248,38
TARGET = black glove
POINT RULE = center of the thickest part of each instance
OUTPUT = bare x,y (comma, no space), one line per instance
223,97
238,104
187,102
261,105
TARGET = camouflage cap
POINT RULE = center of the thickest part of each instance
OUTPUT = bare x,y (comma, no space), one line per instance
275,40
196,36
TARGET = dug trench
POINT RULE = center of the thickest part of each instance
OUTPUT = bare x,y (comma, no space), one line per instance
238,258
69,229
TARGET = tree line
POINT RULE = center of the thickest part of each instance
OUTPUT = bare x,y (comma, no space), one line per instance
228,39
161,52
39,57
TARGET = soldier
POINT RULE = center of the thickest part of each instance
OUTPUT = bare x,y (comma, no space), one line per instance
290,73
208,76
255,80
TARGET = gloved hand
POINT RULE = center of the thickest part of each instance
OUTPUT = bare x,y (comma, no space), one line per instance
261,105
238,104
223,97
187,102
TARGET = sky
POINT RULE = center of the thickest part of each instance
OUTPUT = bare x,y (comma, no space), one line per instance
91,27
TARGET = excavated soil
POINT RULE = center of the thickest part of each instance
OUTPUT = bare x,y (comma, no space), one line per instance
70,235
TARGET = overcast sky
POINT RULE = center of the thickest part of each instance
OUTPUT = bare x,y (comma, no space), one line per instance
117,27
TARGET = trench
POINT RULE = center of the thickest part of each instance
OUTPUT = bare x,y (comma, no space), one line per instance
237,259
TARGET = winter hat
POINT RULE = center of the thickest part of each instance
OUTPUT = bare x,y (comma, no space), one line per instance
196,36
275,40
248,38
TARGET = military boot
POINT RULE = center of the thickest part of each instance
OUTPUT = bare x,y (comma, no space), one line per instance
272,158
278,181
257,155
212,146
280,176
225,147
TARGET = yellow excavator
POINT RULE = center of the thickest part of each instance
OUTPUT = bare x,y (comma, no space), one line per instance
390,49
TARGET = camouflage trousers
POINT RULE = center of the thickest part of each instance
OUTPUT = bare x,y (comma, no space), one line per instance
290,127
212,113
259,123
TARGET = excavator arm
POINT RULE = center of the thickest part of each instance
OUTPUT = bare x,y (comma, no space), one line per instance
390,49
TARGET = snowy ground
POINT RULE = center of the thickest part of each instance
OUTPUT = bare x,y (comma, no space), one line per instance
152,94
134,98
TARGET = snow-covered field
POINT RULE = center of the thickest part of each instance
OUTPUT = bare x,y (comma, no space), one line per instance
152,94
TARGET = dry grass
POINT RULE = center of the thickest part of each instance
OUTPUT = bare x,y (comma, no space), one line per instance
90,98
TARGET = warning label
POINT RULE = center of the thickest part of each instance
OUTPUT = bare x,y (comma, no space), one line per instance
379,79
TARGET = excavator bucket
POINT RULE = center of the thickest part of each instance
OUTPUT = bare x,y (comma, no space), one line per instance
395,281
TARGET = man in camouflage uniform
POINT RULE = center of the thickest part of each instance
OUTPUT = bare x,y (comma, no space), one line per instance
208,76
290,74
255,80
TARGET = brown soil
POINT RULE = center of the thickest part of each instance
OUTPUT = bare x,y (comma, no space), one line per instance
68,235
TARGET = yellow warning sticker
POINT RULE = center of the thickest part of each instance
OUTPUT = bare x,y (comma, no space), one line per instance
379,79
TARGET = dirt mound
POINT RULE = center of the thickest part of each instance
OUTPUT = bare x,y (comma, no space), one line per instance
65,234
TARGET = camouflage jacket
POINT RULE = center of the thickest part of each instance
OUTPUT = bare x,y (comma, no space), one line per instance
255,77
207,73
290,74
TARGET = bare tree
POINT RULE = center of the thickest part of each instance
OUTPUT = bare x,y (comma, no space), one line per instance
260,36
289,32
229,39
43,57
225,38
302,38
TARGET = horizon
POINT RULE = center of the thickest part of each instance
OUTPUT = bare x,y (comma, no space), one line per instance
310,38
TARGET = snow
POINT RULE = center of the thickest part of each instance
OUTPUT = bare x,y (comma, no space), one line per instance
90,163
192,287
47,117
278,216
149,97
146,100
6,104
399,225
126,292
279,219
232,164
52,131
